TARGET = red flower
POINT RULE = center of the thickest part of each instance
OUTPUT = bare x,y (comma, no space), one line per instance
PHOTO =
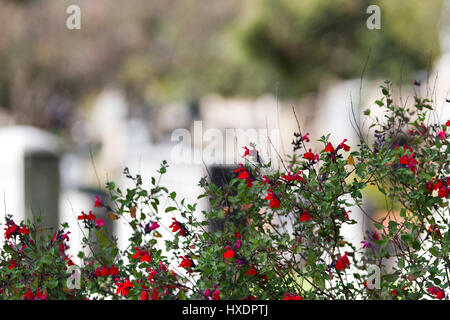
288,296
177,226
105,271
441,135
39,295
437,292
146,258
266,180
443,192
216,295
305,216
90,216
274,201
342,262
153,226
186,262
138,253
310,156
440,295
24,230
305,137
329,148
83,216
344,146
12,265
98,202
447,123
144,294
408,160
155,295
113,271
99,223
252,272
124,288
11,230
244,175
28,295
295,177
229,253
247,152
394,293
152,274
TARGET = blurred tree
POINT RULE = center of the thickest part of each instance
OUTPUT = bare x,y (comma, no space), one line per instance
181,49
302,42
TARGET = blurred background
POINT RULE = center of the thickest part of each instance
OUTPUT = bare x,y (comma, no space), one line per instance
77,106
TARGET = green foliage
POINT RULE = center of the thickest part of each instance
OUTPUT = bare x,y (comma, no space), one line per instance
281,234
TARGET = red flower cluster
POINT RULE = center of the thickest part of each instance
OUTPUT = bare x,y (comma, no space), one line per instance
216,294
295,177
311,156
13,229
186,262
88,217
244,175
434,229
288,296
229,253
274,201
252,272
104,271
38,295
123,288
143,255
438,293
305,217
178,226
24,230
408,160
329,147
442,187
343,262
89,220
12,264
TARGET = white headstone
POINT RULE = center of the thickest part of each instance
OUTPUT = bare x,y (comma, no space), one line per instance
29,174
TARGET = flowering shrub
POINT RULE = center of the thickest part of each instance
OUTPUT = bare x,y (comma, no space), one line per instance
281,234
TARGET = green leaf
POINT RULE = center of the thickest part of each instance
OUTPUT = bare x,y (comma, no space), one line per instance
378,226
169,209
435,252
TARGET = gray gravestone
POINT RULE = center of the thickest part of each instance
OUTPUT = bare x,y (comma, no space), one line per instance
29,174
